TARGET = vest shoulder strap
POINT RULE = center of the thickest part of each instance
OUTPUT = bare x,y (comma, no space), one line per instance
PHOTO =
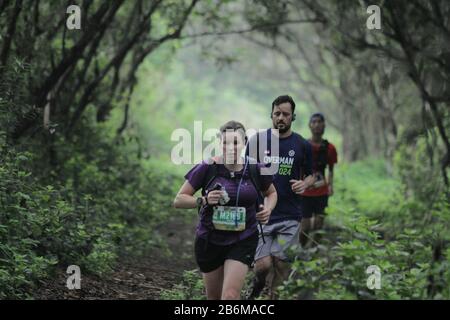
211,173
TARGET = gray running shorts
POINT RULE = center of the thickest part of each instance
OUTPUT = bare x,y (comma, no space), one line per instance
278,238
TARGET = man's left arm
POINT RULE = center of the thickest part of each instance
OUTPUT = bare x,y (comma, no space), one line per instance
332,160
330,180
310,177
299,186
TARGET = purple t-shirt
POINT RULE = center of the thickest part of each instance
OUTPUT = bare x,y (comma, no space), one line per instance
247,198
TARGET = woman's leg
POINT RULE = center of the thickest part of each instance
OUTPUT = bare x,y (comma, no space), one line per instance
213,283
233,281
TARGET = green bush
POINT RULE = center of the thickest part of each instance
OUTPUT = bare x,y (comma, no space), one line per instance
190,288
372,223
90,209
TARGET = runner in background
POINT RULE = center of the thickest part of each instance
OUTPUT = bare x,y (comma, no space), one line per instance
315,201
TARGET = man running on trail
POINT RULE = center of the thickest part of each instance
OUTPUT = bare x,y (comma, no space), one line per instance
293,177
316,199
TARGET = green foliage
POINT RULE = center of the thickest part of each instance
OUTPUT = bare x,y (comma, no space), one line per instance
190,288
29,220
417,163
391,235
87,211
84,195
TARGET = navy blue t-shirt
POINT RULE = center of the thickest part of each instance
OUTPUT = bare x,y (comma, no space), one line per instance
295,158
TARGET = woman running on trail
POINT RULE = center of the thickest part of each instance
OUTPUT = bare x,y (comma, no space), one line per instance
230,210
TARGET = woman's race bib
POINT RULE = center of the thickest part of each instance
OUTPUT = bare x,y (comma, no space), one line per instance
224,218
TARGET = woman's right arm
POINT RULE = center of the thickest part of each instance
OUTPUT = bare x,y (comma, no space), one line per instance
185,197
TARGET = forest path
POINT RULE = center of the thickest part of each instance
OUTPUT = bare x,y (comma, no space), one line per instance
133,278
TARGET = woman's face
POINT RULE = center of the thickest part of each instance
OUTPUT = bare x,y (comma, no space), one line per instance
232,145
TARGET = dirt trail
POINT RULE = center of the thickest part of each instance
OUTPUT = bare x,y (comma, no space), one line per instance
135,279
143,278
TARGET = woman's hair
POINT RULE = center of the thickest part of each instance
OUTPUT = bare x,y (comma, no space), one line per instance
234,126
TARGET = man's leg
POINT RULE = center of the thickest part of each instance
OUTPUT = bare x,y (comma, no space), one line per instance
287,235
262,269
318,221
306,226
317,225
263,261
319,216
281,273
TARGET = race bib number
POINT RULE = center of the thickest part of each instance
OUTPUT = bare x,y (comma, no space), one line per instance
229,218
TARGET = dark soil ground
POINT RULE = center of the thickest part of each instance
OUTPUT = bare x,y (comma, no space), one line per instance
141,278
133,278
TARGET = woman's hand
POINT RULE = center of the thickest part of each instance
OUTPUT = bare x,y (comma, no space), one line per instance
214,196
263,215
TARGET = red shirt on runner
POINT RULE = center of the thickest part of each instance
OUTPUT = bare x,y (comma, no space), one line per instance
331,160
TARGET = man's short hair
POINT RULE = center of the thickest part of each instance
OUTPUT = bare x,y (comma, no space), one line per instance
317,115
283,99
